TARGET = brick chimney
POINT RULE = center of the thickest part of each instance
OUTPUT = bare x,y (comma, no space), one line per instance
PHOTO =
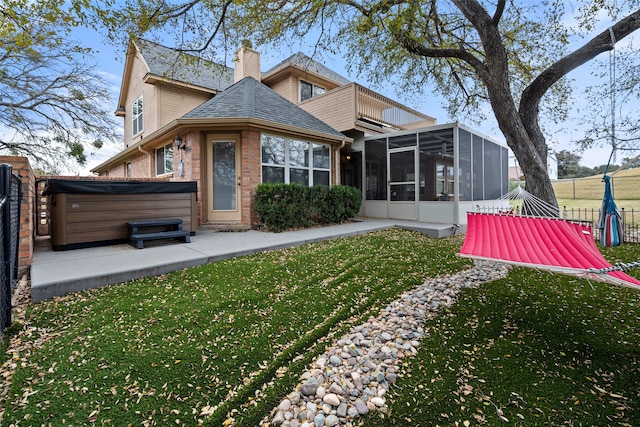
247,62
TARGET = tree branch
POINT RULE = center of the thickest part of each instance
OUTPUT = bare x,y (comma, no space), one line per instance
532,95
498,13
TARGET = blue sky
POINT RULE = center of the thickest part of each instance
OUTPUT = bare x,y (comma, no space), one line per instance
110,60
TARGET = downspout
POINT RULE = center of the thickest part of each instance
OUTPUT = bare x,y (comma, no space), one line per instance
149,156
338,160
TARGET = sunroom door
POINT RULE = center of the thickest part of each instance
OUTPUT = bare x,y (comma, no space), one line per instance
402,183
224,189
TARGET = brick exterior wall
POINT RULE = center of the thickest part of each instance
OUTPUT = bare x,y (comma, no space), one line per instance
251,164
192,158
22,168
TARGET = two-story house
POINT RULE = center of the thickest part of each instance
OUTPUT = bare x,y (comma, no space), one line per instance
232,129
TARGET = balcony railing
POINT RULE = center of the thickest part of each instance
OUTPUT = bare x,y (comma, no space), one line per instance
380,109
344,106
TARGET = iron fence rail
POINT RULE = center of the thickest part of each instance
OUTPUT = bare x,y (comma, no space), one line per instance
630,219
10,200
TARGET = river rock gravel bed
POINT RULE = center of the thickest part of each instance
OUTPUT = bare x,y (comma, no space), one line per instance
353,376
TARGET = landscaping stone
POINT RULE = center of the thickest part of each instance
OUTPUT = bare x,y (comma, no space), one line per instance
353,376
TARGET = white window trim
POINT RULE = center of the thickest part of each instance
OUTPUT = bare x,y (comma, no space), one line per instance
139,117
287,166
164,162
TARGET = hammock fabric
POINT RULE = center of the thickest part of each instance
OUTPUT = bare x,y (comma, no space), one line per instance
551,244
610,221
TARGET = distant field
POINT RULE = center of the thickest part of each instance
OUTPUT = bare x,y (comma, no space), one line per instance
587,192
626,187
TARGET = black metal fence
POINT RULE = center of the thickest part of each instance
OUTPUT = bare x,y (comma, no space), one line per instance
10,199
630,221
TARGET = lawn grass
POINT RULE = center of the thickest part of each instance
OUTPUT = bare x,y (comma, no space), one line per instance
232,338
532,349
225,339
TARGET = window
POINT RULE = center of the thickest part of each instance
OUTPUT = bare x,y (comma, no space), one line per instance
309,90
137,116
444,180
164,159
294,161
127,169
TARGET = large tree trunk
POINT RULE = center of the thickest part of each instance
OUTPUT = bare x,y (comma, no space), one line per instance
531,151
522,132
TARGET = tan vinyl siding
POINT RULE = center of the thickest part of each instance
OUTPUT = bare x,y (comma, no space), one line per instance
174,102
283,88
135,89
150,108
337,109
246,64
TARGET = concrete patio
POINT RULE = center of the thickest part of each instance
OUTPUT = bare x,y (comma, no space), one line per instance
55,273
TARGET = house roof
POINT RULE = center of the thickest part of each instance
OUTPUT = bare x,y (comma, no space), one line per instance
171,64
251,99
302,61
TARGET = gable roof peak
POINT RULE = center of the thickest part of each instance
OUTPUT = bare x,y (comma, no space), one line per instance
172,64
306,63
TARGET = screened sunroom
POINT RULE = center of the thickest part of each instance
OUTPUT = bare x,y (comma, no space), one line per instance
433,174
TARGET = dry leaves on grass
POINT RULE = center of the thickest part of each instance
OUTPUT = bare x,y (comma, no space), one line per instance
23,344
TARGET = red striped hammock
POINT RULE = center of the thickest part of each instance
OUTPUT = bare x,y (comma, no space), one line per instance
544,243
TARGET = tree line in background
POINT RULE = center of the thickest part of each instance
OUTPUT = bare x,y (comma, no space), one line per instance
569,165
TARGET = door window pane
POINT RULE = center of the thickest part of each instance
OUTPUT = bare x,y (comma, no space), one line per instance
224,175
403,192
492,173
464,142
403,166
478,168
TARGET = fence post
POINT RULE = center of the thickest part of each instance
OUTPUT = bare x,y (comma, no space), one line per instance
5,192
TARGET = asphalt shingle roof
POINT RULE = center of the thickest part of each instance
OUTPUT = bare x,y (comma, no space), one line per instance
309,64
252,99
170,63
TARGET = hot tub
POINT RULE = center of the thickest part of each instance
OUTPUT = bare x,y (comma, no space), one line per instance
84,213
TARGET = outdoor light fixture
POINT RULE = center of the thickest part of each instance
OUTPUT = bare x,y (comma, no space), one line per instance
180,145
348,156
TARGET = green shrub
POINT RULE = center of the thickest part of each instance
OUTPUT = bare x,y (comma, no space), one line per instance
317,198
342,202
285,206
282,206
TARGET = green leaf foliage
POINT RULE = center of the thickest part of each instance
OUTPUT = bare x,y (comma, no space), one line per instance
286,206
